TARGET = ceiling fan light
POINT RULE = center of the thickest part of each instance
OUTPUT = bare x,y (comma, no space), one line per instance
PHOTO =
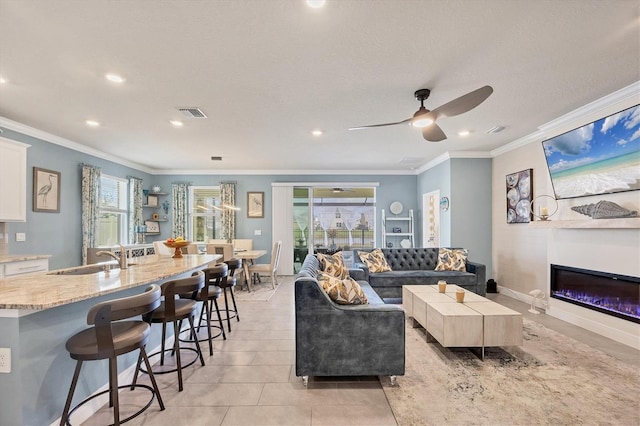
422,122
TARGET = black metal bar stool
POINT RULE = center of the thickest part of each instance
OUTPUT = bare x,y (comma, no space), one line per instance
175,310
209,296
229,284
110,337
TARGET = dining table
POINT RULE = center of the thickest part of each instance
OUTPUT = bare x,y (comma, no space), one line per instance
248,256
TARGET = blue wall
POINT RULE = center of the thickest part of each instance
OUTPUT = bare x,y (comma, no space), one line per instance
471,208
437,177
59,234
467,223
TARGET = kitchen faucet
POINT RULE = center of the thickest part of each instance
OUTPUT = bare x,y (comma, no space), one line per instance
122,259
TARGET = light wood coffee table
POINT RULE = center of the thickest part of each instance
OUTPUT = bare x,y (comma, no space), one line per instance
478,322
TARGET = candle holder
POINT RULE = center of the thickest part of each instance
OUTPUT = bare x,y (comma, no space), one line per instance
543,211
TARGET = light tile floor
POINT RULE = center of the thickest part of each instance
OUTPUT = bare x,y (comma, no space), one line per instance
250,379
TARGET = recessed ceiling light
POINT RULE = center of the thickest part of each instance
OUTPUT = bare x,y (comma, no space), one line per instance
176,123
216,158
3,80
463,133
317,132
316,4
115,78
92,123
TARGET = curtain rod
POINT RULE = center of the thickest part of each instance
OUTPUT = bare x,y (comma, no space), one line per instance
229,181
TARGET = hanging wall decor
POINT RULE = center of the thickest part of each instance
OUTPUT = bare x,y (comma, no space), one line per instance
519,196
46,190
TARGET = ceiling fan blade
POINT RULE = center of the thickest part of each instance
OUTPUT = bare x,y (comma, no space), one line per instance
379,125
433,133
464,103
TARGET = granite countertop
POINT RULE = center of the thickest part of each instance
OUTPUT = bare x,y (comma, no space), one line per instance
8,258
44,290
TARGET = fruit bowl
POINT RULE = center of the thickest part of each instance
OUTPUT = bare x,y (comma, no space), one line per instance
177,245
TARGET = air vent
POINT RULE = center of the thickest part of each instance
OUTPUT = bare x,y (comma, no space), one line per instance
495,129
216,158
192,112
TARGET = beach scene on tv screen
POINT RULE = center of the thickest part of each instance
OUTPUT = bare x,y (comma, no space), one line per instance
599,158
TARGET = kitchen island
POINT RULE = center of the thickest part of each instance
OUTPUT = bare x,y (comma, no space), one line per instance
39,312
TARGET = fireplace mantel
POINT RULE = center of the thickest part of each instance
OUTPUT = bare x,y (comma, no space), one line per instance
620,223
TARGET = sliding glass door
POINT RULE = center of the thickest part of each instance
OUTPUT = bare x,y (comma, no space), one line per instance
327,220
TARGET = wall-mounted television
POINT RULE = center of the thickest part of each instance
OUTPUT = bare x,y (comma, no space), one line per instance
602,157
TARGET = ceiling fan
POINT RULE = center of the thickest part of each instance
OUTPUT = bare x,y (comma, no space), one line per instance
426,120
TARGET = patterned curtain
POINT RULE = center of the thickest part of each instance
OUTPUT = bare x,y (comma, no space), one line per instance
180,193
90,203
228,198
135,208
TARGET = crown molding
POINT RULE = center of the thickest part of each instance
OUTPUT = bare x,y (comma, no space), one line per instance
57,140
629,93
626,94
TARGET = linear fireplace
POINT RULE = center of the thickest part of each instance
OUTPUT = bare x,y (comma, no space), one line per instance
613,294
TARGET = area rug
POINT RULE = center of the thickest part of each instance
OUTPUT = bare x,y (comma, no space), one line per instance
260,292
550,380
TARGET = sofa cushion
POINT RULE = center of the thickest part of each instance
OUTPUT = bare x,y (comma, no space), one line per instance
409,259
375,260
342,291
452,260
333,264
400,278
372,296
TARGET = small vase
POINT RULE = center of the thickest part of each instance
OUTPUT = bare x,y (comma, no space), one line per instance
460,296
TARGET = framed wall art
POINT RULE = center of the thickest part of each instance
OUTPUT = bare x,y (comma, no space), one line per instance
519,196
152,226
255,204
152,201
46,190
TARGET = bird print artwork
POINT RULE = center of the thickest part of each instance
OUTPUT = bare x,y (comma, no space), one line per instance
44,191
46,186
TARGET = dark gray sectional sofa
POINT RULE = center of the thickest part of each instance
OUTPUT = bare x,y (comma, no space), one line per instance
345,340
415,266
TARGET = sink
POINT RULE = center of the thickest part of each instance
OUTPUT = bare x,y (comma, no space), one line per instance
85,270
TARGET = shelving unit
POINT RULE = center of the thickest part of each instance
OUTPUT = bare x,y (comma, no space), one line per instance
405,223
155,207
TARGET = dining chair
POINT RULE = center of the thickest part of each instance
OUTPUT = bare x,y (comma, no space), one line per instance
161,249
191,249
258,269
217,241
226,250
243,244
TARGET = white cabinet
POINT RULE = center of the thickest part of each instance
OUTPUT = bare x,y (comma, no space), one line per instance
397,231
23,267
13,181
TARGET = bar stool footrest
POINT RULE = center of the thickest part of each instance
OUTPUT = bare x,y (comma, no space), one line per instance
173,370
203,339
134,415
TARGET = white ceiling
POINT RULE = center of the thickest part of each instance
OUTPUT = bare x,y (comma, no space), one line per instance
267,72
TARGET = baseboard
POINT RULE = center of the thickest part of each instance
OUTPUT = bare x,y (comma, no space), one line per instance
523,297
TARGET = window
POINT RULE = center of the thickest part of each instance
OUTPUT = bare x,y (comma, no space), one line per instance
113,215
204,213
342,218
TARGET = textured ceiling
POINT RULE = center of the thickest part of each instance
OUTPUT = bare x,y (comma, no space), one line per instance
268,72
